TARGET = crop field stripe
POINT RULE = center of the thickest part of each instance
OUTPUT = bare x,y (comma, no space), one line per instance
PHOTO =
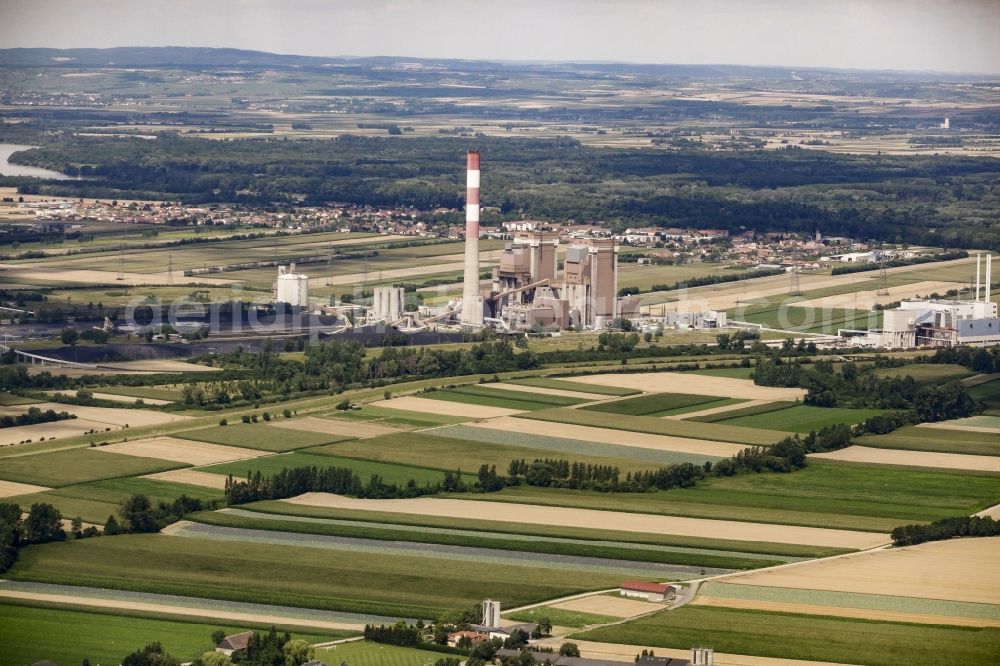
71,466
566,385
398,585
933,440
509,394
803,418
568,446
738,548
273,464
261,437
560,617
32,633
652,403
746,411
554,545
807,637
452,395
449,553
654,426
847,599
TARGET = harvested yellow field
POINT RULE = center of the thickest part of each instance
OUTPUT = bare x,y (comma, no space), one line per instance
947,425
548,391
159,365
31,272
507,512
603,604
181,450
445,407
113,416
10,488
836,611
113,396
53,430
686,382
191,477
865,300
865,454
955,570
615,437
359,429
718,410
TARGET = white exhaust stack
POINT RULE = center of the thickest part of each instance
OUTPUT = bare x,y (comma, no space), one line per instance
978,257
472,300
989,275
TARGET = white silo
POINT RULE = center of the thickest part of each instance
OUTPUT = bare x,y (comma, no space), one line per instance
292,287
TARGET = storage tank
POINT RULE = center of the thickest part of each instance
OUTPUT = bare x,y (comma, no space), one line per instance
292,287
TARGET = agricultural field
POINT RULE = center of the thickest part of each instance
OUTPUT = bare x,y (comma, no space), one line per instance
792,636
658,404
70,636
802,418
928,373
569,385
370,654
560,617
261,436
293,576
988,393
481,394
913,438
70,466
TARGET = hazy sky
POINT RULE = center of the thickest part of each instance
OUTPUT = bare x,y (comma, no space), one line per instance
945,35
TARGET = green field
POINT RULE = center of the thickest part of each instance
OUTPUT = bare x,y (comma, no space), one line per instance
574,449
928,373
745,411
656,404
988,393
406,586
559,617
649,424
704,545
478,395
153,392
469,538
803,418
819,638
429,449
9,399
736,373
33,634
913,438
364,653
269,465
396,417
856,497
569,385
60,468
262,437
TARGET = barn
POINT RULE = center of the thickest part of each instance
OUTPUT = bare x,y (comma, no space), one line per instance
636,589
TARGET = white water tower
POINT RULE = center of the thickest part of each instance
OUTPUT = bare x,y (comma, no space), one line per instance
292,287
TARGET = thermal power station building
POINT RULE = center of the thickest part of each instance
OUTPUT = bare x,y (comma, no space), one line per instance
291,287
937,323
388,303
526,290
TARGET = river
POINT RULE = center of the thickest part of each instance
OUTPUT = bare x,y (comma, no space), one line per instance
8,169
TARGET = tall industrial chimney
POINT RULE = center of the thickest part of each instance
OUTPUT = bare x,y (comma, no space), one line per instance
472,300
978,256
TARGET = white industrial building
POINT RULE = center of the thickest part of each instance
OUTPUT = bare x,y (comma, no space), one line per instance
388,303
936,323
291,288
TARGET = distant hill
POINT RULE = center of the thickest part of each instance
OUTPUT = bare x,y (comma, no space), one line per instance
202,57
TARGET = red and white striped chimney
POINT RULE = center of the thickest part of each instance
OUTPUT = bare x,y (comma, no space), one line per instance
472,301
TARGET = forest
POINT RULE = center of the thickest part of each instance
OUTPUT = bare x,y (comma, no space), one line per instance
944,201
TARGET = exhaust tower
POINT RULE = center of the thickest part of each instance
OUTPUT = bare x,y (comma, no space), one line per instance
472,300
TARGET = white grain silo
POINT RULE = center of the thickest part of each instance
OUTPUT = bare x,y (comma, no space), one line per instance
292,287
388,303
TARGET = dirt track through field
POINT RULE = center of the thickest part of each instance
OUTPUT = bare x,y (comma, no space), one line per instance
836,611
613,437
685,382
955,570
604,604
602,520
191,477
445,407
865,454
181,450
359,429
718,410
11,489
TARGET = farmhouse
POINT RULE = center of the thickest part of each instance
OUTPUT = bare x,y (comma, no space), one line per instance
474,638
649,591
231,644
